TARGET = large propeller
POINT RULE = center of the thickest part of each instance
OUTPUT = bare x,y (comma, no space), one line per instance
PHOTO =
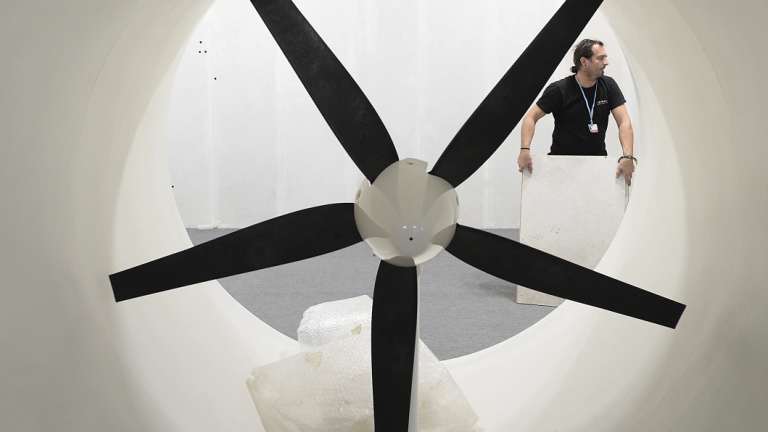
319,230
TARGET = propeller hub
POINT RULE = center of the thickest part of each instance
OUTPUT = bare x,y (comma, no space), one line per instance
407,216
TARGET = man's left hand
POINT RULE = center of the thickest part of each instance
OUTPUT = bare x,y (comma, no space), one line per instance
626,168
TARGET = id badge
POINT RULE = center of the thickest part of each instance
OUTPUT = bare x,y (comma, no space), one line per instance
593,128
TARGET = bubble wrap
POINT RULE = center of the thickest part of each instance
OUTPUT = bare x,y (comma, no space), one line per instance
327,387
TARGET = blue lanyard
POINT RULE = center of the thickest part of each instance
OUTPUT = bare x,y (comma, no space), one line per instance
594,98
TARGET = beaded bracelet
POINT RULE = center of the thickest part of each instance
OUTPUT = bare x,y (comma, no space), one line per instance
630,157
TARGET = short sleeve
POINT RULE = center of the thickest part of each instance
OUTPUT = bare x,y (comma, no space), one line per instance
551,99
615,96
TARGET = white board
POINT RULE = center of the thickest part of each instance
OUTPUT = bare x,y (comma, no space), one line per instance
571,206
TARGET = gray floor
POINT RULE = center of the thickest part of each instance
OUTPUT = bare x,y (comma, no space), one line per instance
463,310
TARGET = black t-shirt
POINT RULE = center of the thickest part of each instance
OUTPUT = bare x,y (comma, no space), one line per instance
564,100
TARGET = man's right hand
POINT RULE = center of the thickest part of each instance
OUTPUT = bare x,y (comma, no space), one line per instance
524,161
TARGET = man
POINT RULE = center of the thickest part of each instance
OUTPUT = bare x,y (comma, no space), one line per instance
580,104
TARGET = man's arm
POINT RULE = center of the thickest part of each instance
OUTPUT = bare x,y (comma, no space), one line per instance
627,139
526,137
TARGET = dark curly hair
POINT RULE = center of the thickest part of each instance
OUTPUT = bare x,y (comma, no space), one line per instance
583,49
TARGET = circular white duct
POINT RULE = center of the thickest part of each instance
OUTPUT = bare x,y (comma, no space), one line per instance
85,195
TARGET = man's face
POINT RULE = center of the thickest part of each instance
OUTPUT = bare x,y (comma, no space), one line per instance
595,67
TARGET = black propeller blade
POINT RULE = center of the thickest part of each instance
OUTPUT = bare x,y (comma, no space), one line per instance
524,265
393,342
506,104
288,238
340,100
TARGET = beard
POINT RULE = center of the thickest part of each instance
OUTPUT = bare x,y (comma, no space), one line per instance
598,74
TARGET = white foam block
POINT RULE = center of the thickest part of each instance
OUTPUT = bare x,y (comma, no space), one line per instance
571,207
327,387
330,321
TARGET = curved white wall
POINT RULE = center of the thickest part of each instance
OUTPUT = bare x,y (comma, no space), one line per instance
86,194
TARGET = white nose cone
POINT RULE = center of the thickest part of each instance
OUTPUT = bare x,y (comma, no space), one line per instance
407,216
